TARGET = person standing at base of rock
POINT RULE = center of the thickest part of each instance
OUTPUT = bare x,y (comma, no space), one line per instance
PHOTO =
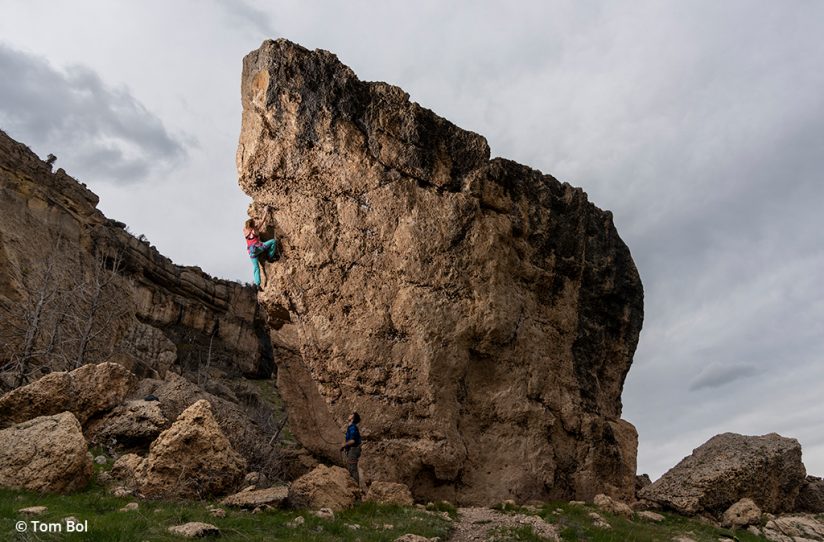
352,446
256,248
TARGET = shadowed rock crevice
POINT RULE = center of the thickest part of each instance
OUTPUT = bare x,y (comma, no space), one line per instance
480,315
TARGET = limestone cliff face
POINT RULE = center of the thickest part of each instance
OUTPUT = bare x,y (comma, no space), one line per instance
174,313
480,315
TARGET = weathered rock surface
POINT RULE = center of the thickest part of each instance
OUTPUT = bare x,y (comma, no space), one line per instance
47,453
811,496
641,481
794,529
742,514
129,468
133,424
256,479
193,458
730,467
324,487
272,496
481,316
86,391
608,504
389,493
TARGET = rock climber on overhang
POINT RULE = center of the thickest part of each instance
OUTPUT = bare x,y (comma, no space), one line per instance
256,248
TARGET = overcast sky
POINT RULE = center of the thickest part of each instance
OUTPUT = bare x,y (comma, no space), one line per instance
699,123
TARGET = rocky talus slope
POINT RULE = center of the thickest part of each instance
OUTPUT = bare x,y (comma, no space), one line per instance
480,315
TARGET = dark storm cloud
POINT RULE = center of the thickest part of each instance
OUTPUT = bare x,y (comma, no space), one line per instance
96,131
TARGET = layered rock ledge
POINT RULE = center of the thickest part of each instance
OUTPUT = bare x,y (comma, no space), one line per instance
167,314
480,315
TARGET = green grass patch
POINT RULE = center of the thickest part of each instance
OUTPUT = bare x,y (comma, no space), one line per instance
575,525
367,522
443,506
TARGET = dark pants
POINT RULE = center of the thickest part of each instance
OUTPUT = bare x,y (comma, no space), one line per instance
352,458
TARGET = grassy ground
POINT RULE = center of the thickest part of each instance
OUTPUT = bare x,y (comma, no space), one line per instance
151,521
575,524
366,522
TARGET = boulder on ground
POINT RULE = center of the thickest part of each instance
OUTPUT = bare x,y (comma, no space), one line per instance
133,424
608,504
389,493
129,468
730,467
175,393
273,496
811,497
193,458
86,391
641,481
742,514
481,315
257,479
47,453
324,487
794,529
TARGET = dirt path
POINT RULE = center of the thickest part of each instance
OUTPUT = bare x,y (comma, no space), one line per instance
478,524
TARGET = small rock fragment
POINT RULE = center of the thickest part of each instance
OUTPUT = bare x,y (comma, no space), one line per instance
33,510
650,516
409,537
297,522
598,521
325,513
121,491
195,529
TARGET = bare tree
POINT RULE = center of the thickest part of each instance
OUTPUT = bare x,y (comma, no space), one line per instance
98,307
69,314
29,320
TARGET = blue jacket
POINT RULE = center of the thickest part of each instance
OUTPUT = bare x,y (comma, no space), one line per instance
352,433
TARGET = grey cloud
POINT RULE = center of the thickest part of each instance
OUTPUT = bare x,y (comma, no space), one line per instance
716,375
245,15
96,131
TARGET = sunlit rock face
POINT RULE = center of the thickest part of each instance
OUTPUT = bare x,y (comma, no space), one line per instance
480,316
